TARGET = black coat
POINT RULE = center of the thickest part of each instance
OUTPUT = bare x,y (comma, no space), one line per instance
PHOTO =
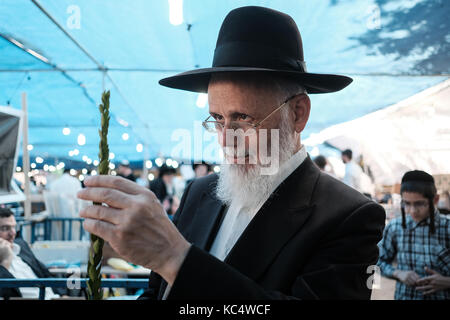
158,187
30,259
313,239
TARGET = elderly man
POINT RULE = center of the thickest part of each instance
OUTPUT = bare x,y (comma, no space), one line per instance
249,233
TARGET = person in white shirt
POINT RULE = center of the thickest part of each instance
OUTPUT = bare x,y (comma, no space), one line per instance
353,171
355,177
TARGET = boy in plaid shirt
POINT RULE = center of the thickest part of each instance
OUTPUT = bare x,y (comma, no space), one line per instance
419,241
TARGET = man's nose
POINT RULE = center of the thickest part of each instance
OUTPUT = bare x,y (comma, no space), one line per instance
413,209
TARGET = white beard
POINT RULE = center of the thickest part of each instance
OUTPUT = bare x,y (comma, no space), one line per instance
244,185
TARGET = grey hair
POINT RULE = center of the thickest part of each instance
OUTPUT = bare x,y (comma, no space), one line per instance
283,88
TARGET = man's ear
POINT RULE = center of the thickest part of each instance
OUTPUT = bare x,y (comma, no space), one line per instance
436,199
301,105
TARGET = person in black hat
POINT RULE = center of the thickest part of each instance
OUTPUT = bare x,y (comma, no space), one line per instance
419,241
125,171
201,169
276,229
163,185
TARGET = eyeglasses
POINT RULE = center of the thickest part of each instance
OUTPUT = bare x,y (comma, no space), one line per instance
216,126
417,205
7,228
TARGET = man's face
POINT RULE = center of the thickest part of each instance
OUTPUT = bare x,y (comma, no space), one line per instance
201,170
345,159
229,101
8,229
416,205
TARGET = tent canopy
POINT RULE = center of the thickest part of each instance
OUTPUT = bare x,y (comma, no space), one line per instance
413,133
64,53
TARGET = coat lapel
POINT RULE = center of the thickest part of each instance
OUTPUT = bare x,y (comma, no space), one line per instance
279,219
206,221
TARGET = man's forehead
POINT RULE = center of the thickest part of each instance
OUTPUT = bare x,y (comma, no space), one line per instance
412,196
7,221
227,100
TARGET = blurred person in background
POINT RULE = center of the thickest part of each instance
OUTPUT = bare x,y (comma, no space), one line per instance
321,162
355,177
170,205
17,261
419,241
125,171
200,170
163,185
353,171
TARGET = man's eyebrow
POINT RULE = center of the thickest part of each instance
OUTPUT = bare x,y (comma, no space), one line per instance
214,114
233,115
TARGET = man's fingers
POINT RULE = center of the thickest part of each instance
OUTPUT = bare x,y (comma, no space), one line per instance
423,288
114,182
430,271
429,291
425,280
111,197
103,213
101,229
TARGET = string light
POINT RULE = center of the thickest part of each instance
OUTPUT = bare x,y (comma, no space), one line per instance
176,12
202,99
81,139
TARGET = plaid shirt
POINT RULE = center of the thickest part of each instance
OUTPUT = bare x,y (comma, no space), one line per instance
414,248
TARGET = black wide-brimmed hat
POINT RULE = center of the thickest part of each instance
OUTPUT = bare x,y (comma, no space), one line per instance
257,39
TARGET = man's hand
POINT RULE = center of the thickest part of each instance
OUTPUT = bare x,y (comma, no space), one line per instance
6,253
134,223
406,276
433,283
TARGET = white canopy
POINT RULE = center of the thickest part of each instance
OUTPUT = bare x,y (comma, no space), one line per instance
412,134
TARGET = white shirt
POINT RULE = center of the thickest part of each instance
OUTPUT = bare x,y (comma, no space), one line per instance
20,270
238,218
65,184
352,176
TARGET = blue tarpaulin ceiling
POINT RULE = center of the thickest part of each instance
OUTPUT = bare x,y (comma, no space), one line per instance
63,53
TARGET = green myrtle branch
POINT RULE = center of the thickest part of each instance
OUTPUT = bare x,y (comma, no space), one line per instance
94,289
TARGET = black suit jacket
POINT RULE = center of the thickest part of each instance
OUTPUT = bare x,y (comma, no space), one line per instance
158,187
30,259
313,239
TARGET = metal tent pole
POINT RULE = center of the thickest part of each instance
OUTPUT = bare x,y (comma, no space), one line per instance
26,157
